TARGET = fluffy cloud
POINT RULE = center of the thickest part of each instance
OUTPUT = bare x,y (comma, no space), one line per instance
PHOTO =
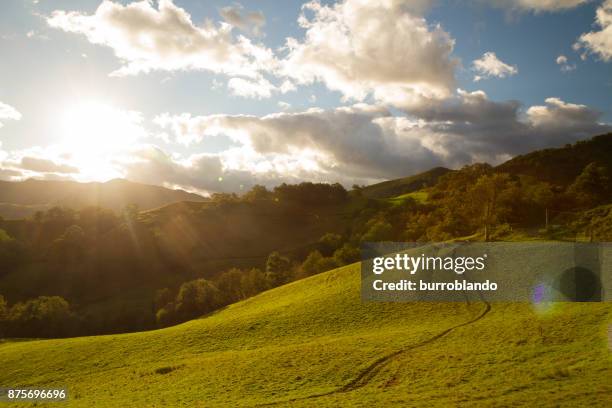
148,39
261,88
599,42
251,22
489,66
355,144
563,62
364,143
380,48
538,5
557,115
340,144
235,170
8,112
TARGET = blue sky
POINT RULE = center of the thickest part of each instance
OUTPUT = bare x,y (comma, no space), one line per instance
210,98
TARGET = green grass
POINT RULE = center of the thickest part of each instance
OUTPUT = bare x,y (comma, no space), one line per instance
418,196
315,336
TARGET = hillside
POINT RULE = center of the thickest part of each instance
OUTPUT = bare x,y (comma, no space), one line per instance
110,266
313,342
397,187
22,199
561,166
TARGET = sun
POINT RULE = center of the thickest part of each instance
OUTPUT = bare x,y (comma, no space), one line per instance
93,134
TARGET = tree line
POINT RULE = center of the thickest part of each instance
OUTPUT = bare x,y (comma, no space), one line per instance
69,261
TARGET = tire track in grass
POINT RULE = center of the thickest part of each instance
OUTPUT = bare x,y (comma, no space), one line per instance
367,374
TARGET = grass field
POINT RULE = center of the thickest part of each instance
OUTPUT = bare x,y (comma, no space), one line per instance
418,196
314,343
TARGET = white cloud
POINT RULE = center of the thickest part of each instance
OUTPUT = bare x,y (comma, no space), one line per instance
8,112
148,39
262,88
561,60
599,42
284,105
32,34
363,143
489,66
564,63
536,5
355,144
563,116
232,171
251,22
380,48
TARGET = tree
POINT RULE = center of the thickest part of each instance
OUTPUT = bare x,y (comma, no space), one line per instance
258,192
330,242
230,285
130,213
166,315
377,230
196,298
253,281
277,269
3,309
488,193
592,186
70,247
162,298
311,193
346,255
45,316
12,253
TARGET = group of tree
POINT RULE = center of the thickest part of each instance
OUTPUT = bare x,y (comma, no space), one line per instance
43,317
201,296
305,194
90,255
478,199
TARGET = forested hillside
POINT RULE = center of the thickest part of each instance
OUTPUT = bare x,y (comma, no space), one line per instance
95,270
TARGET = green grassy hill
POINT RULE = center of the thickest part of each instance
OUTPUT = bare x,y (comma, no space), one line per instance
397,187
314,343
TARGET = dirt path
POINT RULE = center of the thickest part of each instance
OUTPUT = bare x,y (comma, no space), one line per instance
367,374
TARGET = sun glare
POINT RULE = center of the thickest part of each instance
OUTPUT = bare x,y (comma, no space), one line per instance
93,134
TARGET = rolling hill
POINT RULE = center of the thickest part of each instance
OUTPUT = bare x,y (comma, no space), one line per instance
22,199
314,343
405,185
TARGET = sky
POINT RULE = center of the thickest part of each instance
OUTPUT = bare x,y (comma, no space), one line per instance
217,96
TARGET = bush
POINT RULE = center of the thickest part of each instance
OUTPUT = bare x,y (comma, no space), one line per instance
277,269
196,298
45,316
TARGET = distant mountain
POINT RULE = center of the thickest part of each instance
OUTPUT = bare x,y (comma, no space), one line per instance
561,166
393,188
21,199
